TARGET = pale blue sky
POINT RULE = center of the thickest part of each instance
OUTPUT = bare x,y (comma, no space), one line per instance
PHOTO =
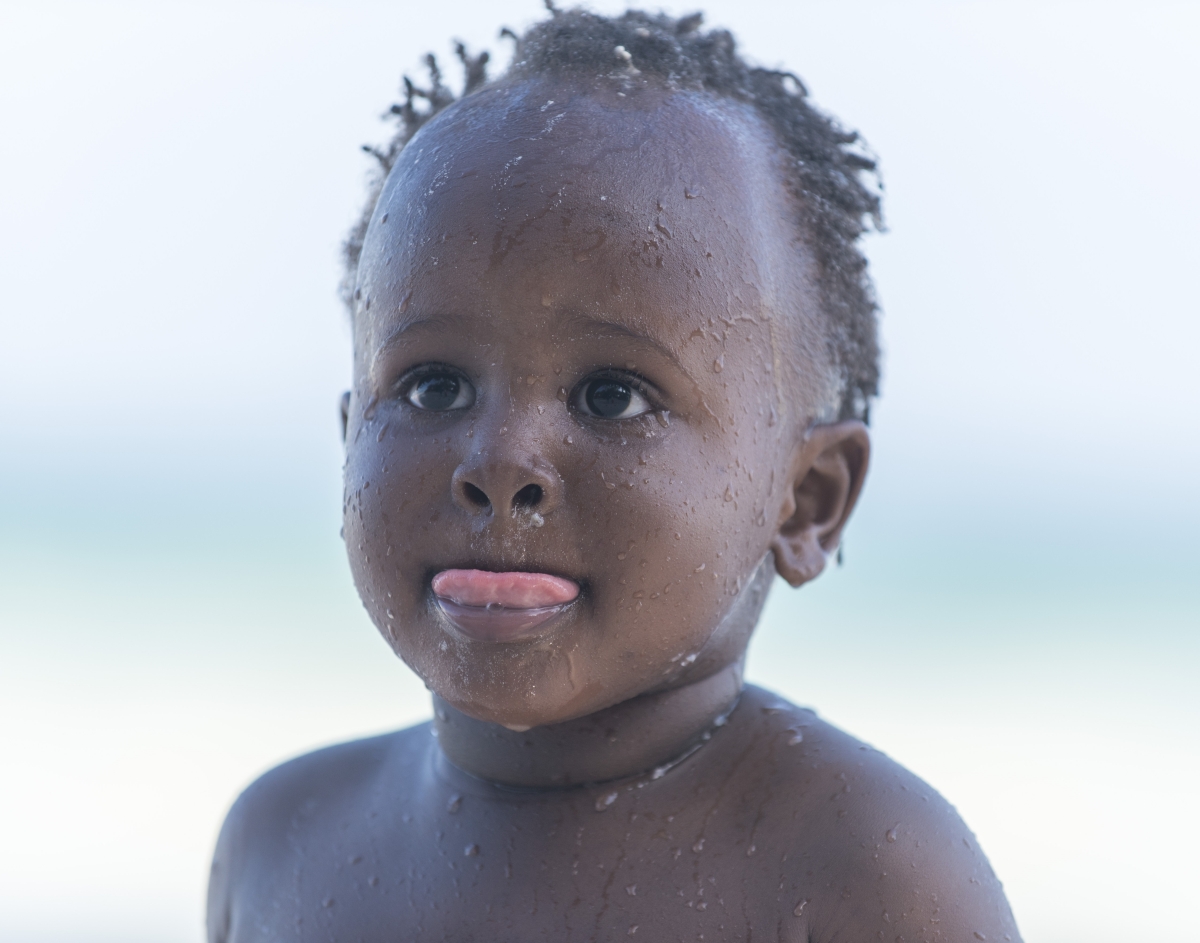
1017,616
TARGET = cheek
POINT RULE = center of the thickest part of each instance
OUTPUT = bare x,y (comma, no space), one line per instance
396,493
673,546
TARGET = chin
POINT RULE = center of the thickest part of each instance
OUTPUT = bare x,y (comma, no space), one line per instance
543,702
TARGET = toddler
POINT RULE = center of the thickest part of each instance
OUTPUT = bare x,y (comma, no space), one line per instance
614,347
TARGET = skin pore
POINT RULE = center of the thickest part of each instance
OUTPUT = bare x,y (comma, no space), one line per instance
538,244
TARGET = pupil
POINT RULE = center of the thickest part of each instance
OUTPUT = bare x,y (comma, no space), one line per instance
608,398
437,392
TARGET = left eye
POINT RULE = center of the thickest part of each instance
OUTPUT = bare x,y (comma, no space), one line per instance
607,398
441,391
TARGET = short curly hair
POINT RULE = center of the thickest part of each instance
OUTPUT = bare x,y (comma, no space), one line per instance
834,178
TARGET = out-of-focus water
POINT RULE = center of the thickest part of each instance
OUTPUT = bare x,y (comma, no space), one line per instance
1016,618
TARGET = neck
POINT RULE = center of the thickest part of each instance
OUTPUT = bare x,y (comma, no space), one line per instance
632,737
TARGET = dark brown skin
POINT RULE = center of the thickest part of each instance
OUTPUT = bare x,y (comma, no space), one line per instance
608,776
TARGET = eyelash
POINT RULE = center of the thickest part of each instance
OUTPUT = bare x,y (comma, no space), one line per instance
635,382
405,385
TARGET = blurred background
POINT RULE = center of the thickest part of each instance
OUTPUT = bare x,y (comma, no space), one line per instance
1017,616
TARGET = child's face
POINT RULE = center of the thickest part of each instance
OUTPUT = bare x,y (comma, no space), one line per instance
576,354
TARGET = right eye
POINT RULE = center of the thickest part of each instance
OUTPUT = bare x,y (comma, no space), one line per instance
439,392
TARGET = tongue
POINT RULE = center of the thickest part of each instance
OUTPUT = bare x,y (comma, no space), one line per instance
508,590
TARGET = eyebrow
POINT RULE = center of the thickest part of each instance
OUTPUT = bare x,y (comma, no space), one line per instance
605,327
418,325
586,324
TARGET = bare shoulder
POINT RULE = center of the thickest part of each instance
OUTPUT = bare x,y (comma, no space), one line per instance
873,852
282,807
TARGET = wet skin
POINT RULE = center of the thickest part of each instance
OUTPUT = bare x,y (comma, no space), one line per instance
586,345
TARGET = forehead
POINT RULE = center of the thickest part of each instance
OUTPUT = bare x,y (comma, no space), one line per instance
568,195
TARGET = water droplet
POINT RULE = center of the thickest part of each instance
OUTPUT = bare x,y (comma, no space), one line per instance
454,804
751,850
796,737
719,364
700,567
799,909
567,440
978,935
632,929
403,306
383,218
728,493
604,802
631,890
699,846
891,835
471,850
664,417
383,432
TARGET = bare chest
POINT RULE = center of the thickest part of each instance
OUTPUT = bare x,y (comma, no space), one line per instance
595,868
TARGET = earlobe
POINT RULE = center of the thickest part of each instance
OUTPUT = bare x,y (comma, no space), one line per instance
828,473
344,408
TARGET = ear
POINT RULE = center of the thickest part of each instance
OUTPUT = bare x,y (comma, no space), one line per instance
827,475
344,407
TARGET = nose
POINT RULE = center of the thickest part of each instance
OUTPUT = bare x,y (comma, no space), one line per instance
486,485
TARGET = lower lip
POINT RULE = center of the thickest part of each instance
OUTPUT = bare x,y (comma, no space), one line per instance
496,623
501,607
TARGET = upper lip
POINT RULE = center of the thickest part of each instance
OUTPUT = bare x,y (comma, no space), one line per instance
493,567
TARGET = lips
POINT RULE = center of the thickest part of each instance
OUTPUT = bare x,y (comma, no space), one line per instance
501,607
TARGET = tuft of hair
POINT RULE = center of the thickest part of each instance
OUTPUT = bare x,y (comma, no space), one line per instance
831,172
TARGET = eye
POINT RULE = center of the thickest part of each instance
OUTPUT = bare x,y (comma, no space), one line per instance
441,391
609,398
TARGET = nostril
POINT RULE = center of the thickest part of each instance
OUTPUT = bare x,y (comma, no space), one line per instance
475,495
528,497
